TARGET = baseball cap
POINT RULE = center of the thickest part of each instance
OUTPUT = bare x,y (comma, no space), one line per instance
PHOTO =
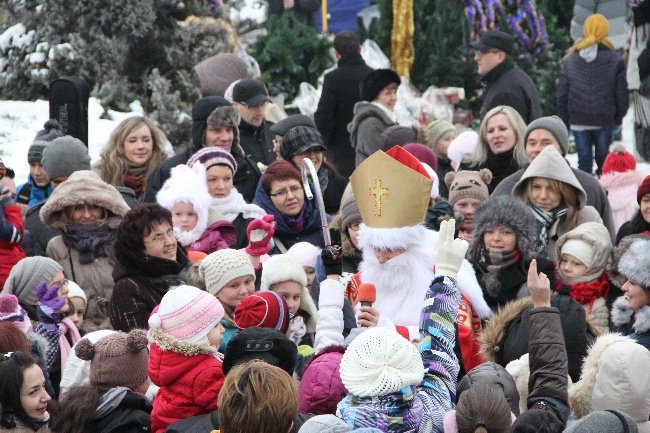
494,39
250,92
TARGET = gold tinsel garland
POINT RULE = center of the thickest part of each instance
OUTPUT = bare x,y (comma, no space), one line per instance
402,51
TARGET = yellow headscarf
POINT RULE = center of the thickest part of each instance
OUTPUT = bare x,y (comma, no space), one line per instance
596,30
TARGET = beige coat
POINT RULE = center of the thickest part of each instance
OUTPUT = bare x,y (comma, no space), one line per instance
95,279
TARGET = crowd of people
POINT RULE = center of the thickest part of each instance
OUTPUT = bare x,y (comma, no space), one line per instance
445,280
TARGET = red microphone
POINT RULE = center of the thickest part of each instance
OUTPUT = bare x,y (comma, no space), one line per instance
367,294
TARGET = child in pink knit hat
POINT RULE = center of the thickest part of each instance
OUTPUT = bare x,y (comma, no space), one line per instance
184,360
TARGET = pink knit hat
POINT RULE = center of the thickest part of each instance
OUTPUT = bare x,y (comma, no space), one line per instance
305,252
187,314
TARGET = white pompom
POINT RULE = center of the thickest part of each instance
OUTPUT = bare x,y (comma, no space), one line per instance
154,321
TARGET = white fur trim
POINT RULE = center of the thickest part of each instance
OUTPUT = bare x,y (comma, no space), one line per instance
187,185
435,188
391,239
635,262
449,422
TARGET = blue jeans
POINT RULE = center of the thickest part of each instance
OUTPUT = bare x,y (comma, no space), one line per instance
585,143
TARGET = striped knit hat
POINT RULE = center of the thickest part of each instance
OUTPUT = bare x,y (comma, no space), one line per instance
187,314
262,310
210,156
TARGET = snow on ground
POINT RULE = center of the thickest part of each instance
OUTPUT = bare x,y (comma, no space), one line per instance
20,121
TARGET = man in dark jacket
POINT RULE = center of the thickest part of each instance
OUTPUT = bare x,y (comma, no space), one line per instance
225,136
256,137
505,83
551,131
336,105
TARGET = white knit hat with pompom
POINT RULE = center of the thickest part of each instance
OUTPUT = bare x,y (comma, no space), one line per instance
380,362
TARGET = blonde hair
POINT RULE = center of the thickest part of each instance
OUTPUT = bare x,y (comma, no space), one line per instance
257,397
114,163
479,157
568,195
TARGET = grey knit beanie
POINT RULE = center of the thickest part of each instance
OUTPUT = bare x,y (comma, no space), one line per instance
50,131
349,212
605,421
324,424
555,126
27,274
65,155
223,266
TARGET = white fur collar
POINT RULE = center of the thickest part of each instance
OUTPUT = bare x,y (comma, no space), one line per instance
230,207
621,315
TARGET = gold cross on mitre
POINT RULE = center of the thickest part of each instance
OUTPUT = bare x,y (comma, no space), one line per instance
392,189
378,192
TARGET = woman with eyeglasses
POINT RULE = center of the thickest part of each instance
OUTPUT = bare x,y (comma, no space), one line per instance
281,194
149,262
227,203
302,142
87,210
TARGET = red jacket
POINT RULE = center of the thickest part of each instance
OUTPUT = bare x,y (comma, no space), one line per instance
189,376
11,234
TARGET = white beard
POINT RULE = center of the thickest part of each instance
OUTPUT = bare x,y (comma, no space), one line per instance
402,282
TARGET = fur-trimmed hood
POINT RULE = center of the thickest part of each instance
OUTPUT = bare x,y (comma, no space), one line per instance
614,377
597,236
504,210
168,343
635,263
362,111
505,335
551,165
621,316
617,179
82,187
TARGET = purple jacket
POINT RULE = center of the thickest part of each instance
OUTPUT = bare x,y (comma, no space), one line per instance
218,236
593,94
321,388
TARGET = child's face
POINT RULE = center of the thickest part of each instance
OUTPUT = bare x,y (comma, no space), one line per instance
77,312
291,291
311,274
443,144
216,335
236,290
183,216
571,267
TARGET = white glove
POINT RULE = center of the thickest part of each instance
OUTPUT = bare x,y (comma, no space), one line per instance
448,253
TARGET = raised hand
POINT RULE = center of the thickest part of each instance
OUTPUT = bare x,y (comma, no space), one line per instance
539,286
448,253
259,232
49,304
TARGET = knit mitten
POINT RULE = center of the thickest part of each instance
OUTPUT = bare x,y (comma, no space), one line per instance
49,305
448,253
259,232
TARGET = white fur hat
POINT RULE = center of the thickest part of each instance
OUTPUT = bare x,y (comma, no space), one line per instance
187,185
380,362
74,291
285,267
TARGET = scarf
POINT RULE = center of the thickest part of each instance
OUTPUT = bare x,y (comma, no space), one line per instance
499,163
546,220
323,179
587,293
186,238
91,241
230,207
134,177
33,424
297,222
298,329
66,326
390,114
162,283
494,261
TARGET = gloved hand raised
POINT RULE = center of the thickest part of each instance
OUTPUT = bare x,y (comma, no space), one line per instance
49,304
332,255
259,232
5,197
448,253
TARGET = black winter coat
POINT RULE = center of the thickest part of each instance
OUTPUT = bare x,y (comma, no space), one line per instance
257,142
595,93
132,415
210,421
335,110
507,84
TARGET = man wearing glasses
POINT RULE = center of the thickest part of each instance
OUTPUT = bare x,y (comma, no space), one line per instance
505,83
255,135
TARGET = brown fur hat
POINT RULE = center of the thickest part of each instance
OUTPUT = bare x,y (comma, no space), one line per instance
228,116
